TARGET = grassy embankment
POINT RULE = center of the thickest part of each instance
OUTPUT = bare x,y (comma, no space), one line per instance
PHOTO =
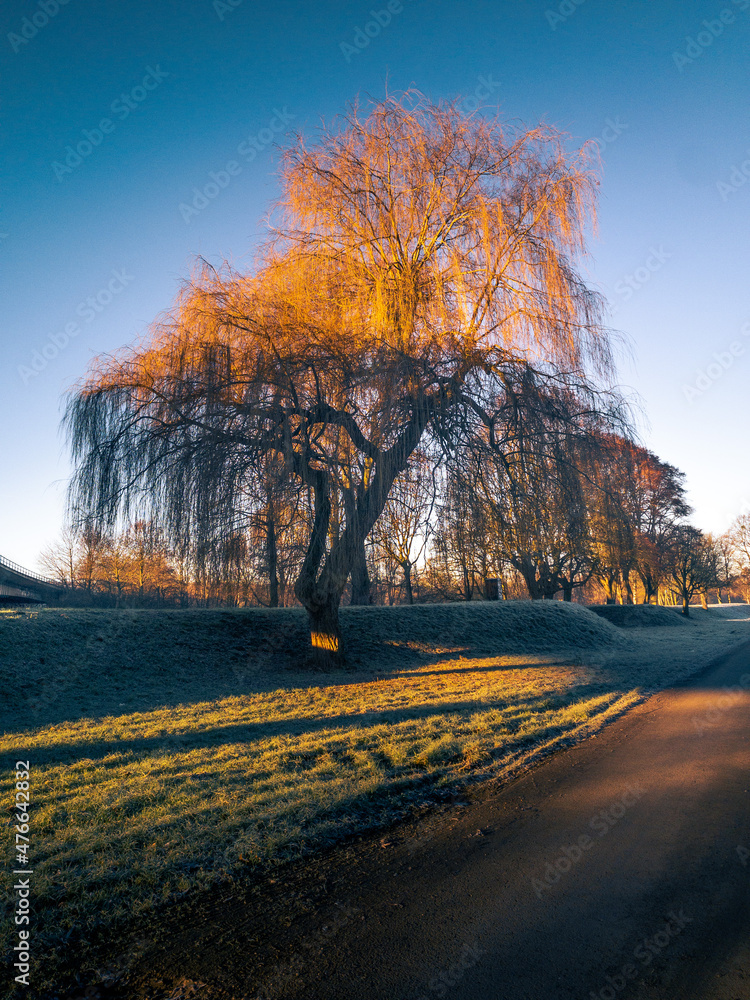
174,750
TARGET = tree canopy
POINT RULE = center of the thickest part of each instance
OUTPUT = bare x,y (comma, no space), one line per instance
422,277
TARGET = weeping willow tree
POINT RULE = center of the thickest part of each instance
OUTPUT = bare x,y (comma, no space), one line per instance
419,256
537,477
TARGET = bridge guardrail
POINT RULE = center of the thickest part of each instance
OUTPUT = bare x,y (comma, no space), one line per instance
22,571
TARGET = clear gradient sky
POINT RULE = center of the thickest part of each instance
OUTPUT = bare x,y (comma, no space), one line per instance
163,93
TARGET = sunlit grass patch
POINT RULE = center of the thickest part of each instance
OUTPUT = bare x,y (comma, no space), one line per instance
131,810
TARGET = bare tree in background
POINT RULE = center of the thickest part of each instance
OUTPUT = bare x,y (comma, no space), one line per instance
462,536
638,504
727,568
654,499
403,530
692,564
116,565
59,559
739,533
276,504
533,484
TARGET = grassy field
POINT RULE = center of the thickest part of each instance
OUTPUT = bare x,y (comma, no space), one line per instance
176,750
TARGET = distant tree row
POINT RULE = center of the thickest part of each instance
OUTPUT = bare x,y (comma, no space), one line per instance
608,524
612,529
133,567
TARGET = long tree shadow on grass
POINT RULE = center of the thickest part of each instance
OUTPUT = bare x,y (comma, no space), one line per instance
59,665
357,814
218,736
360,814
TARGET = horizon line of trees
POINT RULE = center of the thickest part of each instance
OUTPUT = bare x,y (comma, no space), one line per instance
439,539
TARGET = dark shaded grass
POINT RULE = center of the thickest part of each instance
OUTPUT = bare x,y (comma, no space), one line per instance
59,665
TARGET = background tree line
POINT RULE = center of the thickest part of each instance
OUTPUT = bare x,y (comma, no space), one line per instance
614,529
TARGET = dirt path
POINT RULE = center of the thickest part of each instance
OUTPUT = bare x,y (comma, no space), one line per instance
620,868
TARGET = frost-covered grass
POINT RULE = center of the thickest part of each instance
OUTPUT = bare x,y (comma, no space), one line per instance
63,664
169,751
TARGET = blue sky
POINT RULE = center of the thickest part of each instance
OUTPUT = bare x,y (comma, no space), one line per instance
114,116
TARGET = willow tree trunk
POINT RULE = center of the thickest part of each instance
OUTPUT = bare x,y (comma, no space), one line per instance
361,586
323,575
528,572
325,635
318,595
